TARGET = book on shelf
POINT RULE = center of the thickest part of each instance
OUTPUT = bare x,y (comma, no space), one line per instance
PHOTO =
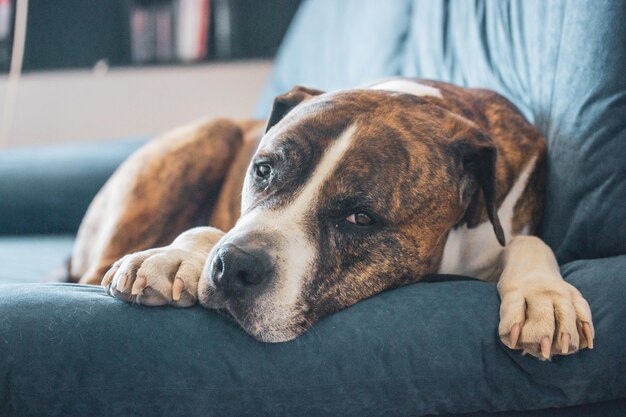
192,29
6,29
169,30
164,28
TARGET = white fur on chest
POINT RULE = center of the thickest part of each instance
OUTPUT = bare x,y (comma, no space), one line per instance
474,252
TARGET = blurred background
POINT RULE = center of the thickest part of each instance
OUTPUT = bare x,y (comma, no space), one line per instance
84,70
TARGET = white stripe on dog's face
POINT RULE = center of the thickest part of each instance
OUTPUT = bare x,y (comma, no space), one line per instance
295,253
409,87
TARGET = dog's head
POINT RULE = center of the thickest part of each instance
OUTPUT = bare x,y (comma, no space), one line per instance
349,194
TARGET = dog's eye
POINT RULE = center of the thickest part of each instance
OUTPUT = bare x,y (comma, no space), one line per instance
263,171
360,219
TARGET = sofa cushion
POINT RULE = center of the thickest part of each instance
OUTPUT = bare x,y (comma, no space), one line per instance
47,189
328,43
428,348
562,62
31,258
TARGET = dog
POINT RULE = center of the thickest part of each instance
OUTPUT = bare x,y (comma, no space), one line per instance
339,196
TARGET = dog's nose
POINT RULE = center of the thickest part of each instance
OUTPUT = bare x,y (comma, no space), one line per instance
236,270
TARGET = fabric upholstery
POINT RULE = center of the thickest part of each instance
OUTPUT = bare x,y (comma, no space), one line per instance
48,189
429,348
32,258
561,62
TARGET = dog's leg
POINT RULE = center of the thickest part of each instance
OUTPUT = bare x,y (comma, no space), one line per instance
168,186
167,275
540,312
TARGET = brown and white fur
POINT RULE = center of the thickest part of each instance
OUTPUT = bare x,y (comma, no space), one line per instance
346,194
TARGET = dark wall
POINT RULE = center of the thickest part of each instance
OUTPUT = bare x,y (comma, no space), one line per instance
76,33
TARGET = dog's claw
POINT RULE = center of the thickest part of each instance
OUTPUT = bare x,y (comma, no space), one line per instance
515,331
565,339
545,347
588,334
177,289
108,277
121,284
138,286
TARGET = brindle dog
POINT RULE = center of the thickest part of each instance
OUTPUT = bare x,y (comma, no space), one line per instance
345,195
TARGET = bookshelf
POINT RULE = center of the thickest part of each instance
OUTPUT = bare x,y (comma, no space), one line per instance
74,34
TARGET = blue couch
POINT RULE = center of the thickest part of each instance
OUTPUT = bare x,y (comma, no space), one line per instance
429,348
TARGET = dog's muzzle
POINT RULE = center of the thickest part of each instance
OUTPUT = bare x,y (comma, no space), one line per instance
250,276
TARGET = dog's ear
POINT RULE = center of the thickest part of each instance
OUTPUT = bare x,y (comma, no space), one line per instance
284,103
476,155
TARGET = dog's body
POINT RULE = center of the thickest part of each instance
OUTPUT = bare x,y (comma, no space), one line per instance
348,194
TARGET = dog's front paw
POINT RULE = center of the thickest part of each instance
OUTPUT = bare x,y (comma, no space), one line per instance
544,319
156,277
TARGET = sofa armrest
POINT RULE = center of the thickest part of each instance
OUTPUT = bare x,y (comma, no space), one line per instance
432,348
48,189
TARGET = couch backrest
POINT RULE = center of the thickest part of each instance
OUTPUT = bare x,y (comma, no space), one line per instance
562,62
